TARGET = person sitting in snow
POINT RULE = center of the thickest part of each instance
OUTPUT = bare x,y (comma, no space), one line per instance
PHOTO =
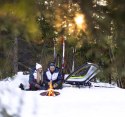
36,78
52,75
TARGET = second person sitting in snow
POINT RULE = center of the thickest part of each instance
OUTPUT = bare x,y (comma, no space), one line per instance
52,75
36,78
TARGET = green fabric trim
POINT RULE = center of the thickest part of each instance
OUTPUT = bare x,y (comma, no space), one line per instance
76,77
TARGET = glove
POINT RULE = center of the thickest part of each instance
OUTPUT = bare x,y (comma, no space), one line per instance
37,86
49,83
55,85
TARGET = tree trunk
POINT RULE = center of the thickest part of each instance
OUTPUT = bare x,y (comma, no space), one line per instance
15,55
73,60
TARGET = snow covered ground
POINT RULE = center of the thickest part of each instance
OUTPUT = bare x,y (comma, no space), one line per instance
72,102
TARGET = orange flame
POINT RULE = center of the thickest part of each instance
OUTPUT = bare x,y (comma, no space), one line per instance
50,90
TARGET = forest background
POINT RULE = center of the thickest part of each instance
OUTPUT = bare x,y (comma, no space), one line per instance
93,30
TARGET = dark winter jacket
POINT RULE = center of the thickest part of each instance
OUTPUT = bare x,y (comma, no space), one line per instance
55,77
32,80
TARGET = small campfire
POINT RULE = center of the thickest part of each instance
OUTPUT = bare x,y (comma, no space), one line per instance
50,91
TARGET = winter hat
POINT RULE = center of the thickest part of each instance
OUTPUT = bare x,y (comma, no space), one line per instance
38,66
52,64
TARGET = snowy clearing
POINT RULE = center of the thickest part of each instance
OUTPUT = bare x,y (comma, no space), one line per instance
72,101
